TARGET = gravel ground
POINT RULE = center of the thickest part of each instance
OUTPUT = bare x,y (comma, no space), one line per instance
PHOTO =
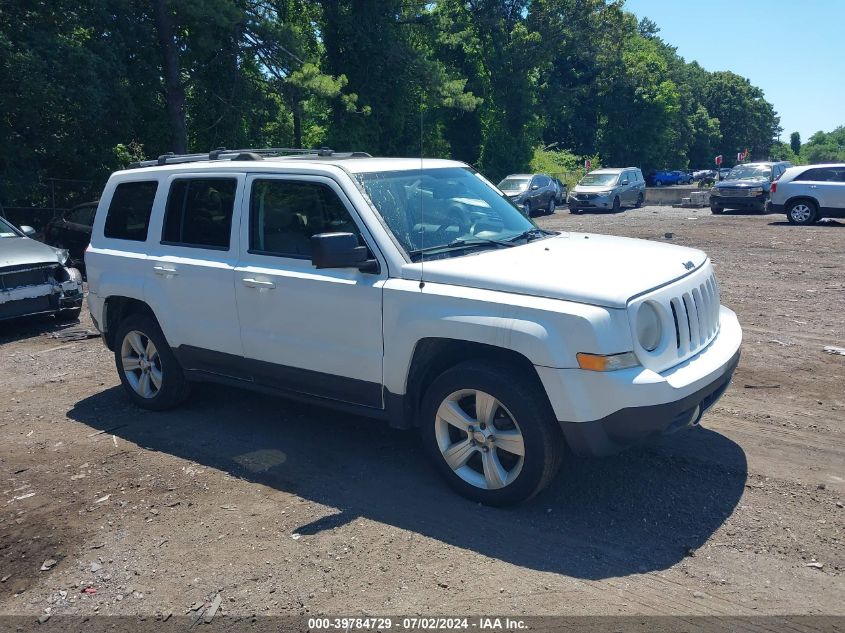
281,508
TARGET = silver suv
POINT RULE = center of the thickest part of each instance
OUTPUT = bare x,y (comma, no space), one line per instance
609,188
810,192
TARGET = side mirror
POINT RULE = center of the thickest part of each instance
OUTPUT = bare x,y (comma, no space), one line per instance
535,187
27,230
340,250
625,182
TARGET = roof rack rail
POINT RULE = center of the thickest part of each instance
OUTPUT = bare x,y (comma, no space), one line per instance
221,153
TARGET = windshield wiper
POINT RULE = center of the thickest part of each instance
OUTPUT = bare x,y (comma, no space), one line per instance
463,242
534,233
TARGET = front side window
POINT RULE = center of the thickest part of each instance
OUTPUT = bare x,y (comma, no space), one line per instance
128,217
444,211
285,214
199,212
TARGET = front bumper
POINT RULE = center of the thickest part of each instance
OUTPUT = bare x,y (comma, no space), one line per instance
49,297
599,202
729,202
603,412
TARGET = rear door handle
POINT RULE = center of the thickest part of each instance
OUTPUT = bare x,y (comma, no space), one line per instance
249,282
164,271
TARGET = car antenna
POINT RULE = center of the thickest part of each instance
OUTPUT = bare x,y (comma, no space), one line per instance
419,192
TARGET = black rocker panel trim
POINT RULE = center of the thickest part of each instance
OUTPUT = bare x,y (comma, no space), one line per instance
205,364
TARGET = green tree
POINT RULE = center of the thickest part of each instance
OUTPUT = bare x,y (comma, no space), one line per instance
795,143
825,147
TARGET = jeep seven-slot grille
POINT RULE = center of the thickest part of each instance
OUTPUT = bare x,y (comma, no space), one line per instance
696,316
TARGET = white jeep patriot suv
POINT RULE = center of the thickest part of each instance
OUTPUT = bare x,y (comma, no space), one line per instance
408,290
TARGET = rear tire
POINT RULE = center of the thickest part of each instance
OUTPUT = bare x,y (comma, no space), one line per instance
476,420
149,372
802,212
658,183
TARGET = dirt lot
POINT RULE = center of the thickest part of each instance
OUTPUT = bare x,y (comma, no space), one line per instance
287,509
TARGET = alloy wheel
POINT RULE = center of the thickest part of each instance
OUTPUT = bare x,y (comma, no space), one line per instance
479,439
141,364
801,212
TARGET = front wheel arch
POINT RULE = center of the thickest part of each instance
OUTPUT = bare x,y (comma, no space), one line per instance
434,356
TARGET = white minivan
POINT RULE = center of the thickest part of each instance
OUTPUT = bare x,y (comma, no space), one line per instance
408,290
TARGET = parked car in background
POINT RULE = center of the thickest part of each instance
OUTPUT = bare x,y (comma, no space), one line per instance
35,278
532,192
809,193
72,231
746,186
704,174
662,178
608,188
684,177
562,191
723,172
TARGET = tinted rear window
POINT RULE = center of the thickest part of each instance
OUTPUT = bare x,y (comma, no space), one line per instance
129,212
199,212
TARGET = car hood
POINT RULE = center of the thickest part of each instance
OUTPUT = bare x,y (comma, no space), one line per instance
19,251
587,268
592,188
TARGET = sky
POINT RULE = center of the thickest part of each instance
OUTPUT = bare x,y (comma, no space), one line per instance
794,50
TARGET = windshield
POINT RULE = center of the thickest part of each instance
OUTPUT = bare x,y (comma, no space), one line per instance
750,172
514,184
593,180
450,210
7,230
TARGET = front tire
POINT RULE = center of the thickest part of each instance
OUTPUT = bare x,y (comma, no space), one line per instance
551,209
491,433
526,209
802,212
71,314
149,372
640,200
574,210
716,210
616,205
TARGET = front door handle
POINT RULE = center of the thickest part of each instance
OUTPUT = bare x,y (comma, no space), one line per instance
165,271
257,283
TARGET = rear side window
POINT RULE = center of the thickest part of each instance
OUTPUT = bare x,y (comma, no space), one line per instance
199,212
823,174
285,214
128,217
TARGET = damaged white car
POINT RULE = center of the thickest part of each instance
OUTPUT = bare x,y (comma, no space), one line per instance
34,278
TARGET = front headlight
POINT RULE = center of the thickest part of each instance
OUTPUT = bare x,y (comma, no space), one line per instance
715,192
649,329
605,193
62,255
756,191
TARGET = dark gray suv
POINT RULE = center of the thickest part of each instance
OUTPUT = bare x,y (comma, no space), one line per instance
534,193
746,187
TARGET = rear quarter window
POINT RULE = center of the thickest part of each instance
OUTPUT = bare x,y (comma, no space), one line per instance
128,217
